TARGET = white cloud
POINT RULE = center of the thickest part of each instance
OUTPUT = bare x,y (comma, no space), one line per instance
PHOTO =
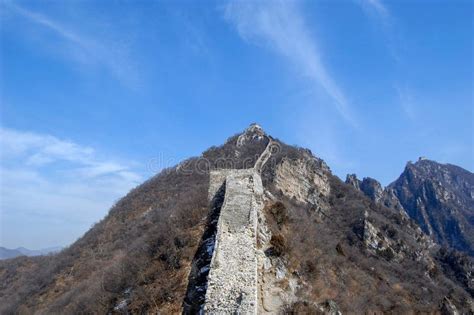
42,149
407,103
44,21
99,52
53,183
378,6
380,13
281,25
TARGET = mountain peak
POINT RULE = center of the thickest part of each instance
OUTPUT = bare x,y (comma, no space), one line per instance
439,197
369,186
253,133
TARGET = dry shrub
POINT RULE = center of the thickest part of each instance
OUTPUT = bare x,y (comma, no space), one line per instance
301,308
329,255
279,213
279,247
141,251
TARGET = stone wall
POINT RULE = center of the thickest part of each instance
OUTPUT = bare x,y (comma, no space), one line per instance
232,280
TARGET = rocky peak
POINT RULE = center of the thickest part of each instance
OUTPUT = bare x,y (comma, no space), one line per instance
352,180
369,186
439,197
253,133
448,175
372,188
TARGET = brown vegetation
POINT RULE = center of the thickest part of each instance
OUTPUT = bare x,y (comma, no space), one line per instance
142,251
139,252
328,253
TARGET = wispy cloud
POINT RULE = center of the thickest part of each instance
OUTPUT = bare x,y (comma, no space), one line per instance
407,103
282,26
44,21
58,182
41,149
100,52
378,6
378,11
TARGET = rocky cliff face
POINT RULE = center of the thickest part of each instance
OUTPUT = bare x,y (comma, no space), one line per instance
374,190
320,245
333,241
440,198
369,186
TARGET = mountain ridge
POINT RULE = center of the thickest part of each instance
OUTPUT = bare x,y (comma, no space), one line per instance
327,246
6,253
439,197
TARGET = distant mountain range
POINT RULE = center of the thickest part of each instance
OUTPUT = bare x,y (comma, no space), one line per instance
6,253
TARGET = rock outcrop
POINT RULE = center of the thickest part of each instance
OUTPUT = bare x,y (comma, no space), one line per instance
374,190
369,186
303,180
440,198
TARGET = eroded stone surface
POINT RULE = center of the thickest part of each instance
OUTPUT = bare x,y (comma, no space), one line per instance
232,281
297,179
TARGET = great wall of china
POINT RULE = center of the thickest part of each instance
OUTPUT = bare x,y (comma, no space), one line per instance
232,286
232,280
225,275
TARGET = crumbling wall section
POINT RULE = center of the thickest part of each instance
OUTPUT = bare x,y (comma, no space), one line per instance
232,281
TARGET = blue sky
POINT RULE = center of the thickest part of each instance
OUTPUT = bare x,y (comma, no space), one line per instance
97,96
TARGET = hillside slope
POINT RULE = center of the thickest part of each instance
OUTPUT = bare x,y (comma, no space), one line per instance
326,246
